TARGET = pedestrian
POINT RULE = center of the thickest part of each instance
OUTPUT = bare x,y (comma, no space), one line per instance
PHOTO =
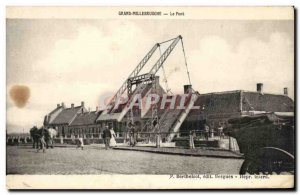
80,143
106,136
33,133
41,140
112,142
133,136
220,131
131,131
43,143
212,132
206,131
192,135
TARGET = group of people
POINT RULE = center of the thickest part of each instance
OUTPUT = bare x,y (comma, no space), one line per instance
109,137
208,132
42,138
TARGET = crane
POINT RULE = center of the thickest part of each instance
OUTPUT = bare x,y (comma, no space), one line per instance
146,77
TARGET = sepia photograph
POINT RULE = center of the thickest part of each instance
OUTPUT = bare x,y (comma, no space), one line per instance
159,97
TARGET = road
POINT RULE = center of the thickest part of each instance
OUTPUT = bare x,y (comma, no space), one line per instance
95,160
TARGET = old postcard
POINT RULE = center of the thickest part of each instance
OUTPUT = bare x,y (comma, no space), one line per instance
150,98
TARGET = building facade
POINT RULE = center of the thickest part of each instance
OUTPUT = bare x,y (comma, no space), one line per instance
85,124
217,108
61,118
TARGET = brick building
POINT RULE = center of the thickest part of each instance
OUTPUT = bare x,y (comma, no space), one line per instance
61,117
217,108
85,124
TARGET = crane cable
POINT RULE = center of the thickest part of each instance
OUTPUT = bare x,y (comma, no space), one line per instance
165,77
187,70
185,61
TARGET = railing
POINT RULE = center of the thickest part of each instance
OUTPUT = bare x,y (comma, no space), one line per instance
184,138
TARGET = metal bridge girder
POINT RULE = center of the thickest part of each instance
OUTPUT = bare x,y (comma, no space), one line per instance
134,73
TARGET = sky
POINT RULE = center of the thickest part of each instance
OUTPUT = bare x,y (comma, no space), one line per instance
74,60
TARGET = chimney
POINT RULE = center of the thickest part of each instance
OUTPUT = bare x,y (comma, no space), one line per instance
82,104
72,105
285,91
97,108
58,105
187,88
63,105
259,87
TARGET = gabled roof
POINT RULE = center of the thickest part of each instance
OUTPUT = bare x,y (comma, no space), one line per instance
86,118
66,115
267,102
236,101
221,102
56,109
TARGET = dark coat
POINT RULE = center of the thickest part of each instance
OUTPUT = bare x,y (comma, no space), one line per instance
106,133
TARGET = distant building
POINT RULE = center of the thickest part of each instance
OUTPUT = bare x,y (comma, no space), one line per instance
61,117
217,108
85,124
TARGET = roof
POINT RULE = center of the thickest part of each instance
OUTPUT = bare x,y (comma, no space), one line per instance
104,117
267,102
228,102
66,115
56,109
86,118
236,101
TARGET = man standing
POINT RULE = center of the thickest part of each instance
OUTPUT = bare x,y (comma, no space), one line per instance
34,136
220,131
41,140
43,143
206,132
133,136
106,136
192,135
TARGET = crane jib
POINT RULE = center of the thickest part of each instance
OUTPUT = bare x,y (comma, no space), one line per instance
140,66
164,56
135,72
